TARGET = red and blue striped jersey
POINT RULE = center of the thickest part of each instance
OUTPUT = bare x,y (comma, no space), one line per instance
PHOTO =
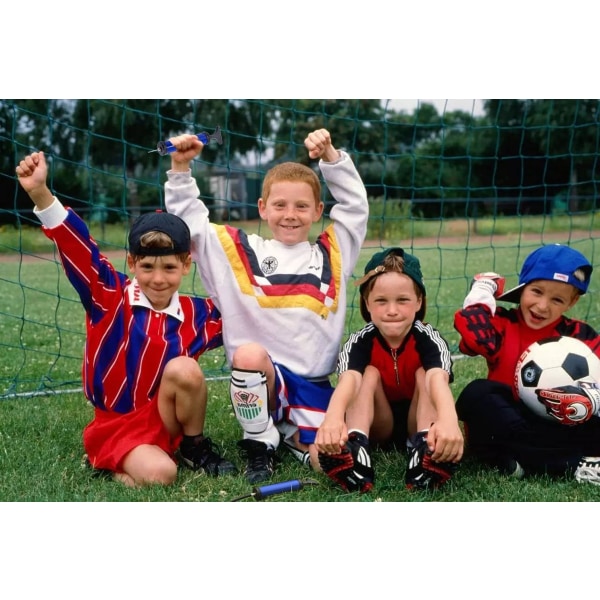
127,342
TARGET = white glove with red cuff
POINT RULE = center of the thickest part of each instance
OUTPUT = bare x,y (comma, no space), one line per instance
572,404
485,288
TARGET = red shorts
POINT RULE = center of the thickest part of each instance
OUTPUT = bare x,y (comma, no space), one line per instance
111,436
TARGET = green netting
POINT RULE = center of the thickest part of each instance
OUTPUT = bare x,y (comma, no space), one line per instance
467,191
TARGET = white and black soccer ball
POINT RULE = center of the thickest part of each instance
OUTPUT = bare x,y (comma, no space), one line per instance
551,363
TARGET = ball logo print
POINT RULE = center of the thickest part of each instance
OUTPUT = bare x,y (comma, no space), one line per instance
557,379
529,375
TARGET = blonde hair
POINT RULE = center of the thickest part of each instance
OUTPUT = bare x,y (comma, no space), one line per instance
580,275
294,172
158,239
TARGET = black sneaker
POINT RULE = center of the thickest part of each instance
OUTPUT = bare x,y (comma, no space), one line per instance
422,472
351,469
203,457
259,460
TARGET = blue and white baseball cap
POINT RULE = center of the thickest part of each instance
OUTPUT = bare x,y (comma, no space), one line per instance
552,263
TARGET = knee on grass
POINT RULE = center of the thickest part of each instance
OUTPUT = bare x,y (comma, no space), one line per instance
149,465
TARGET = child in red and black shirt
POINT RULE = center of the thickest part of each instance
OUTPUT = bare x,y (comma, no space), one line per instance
500,429
393,386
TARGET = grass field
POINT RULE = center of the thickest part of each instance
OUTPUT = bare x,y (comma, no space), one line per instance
41,329
41,461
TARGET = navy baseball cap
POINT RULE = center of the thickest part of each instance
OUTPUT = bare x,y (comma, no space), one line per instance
164,222
552,263
375,266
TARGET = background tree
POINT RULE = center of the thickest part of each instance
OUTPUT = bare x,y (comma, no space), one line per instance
521,156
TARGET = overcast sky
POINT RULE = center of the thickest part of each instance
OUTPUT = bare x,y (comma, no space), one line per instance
471,106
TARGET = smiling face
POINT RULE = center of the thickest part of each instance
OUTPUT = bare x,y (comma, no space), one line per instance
543,302
159,277
393,303
290,210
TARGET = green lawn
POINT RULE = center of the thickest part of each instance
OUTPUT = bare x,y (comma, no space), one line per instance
41,340
41,461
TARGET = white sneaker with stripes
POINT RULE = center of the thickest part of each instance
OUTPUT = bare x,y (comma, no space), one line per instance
588,470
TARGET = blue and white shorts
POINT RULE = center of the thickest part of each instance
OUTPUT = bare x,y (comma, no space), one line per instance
301,403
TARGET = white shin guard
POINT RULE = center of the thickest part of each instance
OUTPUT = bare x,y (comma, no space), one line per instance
250,400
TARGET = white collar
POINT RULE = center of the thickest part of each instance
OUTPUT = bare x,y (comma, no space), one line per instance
138,298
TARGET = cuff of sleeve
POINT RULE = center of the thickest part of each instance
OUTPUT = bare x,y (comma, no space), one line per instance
179,176
52,216
481,294
342,156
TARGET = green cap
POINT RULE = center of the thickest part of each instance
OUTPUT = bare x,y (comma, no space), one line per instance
375,266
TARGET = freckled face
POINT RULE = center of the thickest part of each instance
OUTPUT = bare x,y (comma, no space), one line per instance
159,277
393,304
543,302
290,211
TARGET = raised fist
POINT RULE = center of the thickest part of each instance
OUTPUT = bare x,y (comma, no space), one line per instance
571,404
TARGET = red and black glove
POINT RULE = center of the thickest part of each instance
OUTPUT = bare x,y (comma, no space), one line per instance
490,281
572,404
485,288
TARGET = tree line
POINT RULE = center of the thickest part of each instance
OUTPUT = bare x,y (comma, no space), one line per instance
520,156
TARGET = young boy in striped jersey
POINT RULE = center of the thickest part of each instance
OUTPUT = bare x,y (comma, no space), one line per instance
140,369
283,299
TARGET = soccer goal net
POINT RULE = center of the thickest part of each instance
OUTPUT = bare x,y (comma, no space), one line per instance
467,186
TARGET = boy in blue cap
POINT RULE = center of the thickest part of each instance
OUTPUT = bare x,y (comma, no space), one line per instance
500,430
